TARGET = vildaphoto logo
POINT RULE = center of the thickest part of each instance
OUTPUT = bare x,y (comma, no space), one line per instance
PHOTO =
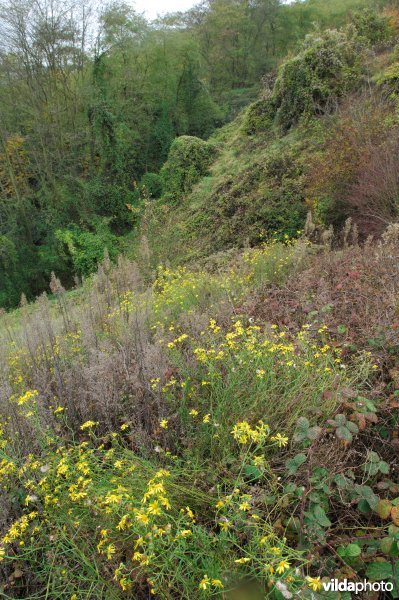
335,585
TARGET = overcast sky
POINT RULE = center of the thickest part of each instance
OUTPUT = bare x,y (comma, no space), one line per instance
153,7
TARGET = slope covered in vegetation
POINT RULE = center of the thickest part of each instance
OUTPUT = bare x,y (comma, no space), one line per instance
321,137
215,412
90,104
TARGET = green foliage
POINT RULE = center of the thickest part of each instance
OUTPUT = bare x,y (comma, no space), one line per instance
82,126
86,248
189,160
260,116
310,83
370,26
151,185
304,432
343,428
8,253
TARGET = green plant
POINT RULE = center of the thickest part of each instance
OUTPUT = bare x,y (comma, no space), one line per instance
189,159
343,428
326,68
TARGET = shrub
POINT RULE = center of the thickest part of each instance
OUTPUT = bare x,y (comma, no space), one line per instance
260,116
189,160
362,124
86,248
151,185
311,82
370,26
373,198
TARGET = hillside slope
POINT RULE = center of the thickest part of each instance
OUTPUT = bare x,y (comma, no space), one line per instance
218,417
325,142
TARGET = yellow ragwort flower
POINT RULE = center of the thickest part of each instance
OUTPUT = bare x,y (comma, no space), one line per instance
282,566
314,583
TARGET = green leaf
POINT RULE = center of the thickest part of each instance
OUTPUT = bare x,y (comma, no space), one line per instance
292,465
313,432
384,467
341,481
364,507
386,545
379,571
353,428
340,420
252,473
365,492
352,551
301,431
320,516
290,488
343,433
373,457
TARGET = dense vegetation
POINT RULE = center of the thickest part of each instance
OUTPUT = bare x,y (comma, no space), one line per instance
90,105
204,400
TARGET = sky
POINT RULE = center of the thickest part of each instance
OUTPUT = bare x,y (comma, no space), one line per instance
153,7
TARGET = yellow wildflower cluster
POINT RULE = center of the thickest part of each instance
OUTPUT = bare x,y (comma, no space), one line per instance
27,398
244,433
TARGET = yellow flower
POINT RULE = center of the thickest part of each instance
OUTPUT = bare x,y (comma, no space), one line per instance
154,508
242,561
269,569
314,583
193,412
164,424
190,513
282,566
123,523
224,525
186,533
205,583
217,583
280,439
88,425
59,409
2,554
124,426
110,551
244,506
142,517
275,550
207,418
27,397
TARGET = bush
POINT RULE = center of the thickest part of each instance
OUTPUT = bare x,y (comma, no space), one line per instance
260,116
373,198
85,248
189,159
370,26
151,185
311,82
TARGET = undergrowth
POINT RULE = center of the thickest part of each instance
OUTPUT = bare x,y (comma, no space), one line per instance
176,442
